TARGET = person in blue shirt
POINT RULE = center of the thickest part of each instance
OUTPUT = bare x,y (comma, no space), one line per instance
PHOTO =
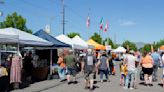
156,58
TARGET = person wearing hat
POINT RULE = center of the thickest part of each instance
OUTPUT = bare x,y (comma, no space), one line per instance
89,68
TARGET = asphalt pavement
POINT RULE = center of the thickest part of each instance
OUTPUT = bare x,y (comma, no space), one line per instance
112,86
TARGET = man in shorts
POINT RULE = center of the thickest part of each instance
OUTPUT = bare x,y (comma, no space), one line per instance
88,66
70,62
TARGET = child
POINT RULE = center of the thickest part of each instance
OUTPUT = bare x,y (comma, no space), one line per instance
123,71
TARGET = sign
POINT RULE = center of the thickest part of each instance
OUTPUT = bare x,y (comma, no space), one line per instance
108,47
48,29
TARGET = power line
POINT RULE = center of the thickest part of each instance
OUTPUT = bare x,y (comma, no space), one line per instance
35,5
78,15
41,8
73,11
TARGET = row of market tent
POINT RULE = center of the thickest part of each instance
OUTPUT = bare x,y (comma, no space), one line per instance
43,39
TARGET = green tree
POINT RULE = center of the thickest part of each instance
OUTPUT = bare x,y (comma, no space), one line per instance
147,48
110,42
159,43
132,46
73,34
16,21
96,37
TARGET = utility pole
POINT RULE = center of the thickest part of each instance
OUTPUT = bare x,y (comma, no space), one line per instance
63,16
115,38
1,13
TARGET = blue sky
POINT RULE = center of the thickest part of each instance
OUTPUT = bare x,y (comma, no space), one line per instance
134,20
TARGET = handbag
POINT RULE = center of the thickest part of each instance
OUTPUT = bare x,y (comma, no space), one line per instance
141,75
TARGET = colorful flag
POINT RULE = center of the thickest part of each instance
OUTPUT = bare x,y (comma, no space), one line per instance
101,24
88,22
106,27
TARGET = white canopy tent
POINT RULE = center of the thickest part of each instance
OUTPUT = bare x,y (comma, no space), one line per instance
8,36
16,36
119,50
12,35
65,39
80,43
76,42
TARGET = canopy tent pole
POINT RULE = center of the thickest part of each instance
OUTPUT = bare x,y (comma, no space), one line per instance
18,45
5,47
51,62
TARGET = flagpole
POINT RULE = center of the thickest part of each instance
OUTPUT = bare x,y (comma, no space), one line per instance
102,37
108,35
89,22
101,29
88,25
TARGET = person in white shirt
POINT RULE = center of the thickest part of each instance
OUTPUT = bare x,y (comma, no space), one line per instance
130,61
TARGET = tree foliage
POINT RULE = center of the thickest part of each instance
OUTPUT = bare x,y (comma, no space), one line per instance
147,48
159,44
16,21
96,37
132,46
73,34
110,42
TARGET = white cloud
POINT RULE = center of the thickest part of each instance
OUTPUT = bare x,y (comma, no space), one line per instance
127,23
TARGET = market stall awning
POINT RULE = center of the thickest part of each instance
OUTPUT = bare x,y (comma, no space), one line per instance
161,48
13,35
96,45
56,43
119,50
65,39
80,43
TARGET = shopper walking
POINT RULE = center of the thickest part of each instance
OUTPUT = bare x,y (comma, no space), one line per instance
147,67
89,68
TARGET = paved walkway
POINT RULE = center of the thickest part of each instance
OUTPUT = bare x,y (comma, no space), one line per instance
113,86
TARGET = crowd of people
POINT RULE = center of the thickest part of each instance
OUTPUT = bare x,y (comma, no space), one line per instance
91,64
94,64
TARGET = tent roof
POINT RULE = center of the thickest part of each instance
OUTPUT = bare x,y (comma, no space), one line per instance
56,43
162,48
97,46
13,35
120,50
80,42
65,39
